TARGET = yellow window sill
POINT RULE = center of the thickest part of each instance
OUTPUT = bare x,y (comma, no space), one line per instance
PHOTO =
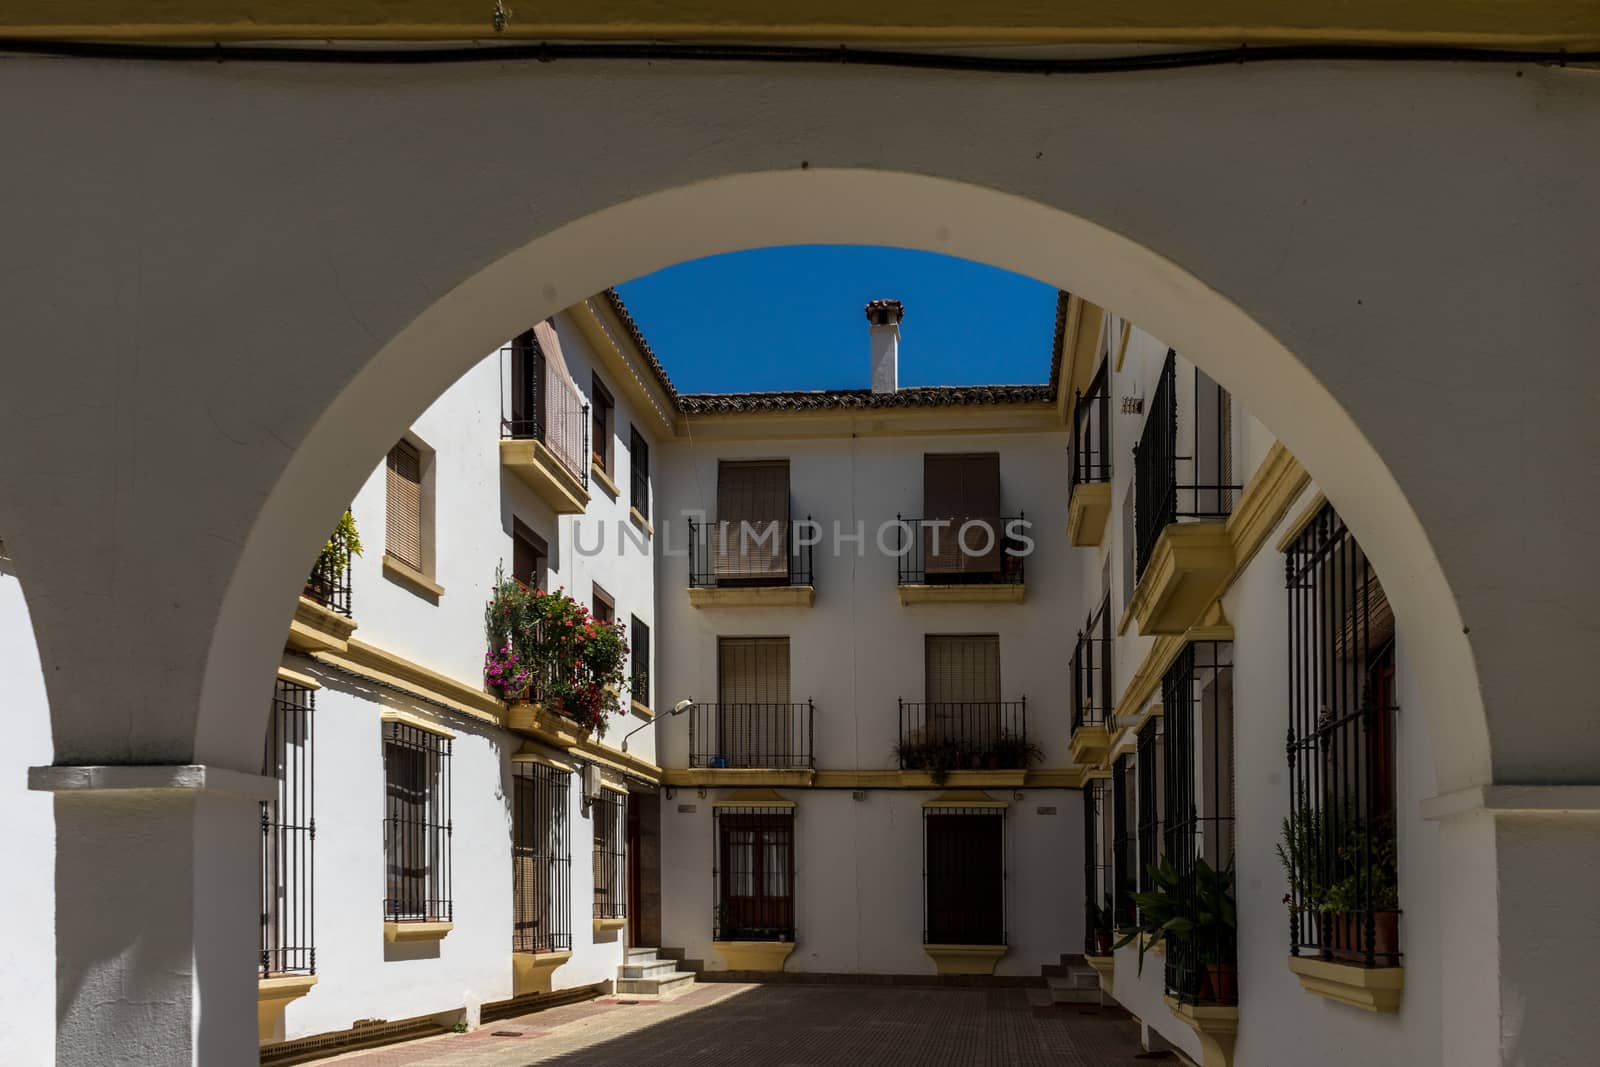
598,473
602,926
531,971
640,521
1372,989
965,959
1215,1025
273,996
408,575
416,930
644,711
767,956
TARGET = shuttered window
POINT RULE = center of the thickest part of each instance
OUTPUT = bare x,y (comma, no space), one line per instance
963,669
404,505
751,541
639,471
959,488
753,675
600,405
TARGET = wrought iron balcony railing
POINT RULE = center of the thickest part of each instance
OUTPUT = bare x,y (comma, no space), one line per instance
975,551
964,735
539,403
329,585
766,553
1091,672
1089,458
751,735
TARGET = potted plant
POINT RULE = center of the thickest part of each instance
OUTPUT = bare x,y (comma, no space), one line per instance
1344,882
937,758
1015,751
334,559
1100,924
1201,918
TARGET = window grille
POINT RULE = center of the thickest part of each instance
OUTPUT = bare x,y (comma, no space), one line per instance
600,408
1150,801
639,647
289,836
639,471
1345,902
417,828
1091,669
328,584
403,505
606,814
964,876
1123,873
541,870
1096,862
754,872
1197,698
1170,485
1089,458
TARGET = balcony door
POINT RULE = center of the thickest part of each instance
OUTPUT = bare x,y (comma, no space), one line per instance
963,688
753,718
750,543
959,489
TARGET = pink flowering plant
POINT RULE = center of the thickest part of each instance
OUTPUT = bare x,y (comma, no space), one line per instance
548,647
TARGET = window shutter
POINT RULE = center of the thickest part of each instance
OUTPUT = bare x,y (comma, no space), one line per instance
963,670
756,493
958,488
754,670
404,505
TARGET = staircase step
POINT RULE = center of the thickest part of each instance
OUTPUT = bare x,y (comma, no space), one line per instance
660,986
648,968
1070,991
681,957
634,953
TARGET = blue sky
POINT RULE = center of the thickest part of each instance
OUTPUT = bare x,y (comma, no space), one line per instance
791,318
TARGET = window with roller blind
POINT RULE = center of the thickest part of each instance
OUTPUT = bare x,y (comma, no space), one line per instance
407,508
963,686
752,685
958,489
639,471
750,543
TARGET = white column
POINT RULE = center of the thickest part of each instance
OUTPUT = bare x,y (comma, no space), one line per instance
157,914
1520,874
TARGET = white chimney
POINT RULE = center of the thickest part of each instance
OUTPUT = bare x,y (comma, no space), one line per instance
883,324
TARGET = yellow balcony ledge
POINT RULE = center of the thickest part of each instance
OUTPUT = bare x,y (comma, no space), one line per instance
316,629
607,926
273,996
544,724
1372,989
965,959
980,779
409,576
603,480
416,930
531,971
1216,1027
753,596
977,593
1090,744
1189,567
741,777
1087,513
765,956
1106,968
538,468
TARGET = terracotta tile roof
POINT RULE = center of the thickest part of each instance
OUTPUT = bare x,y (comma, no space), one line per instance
825,399
907,397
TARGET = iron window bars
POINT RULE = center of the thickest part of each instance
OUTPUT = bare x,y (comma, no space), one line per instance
328,584
970,552
541,869
1096,871
1089,457
289,837
417,828
1164,494
768,553
753,870
751,735
1091,669
606,813
639,646
967,735
1123,876
538,403
639,472
1344,902
964,876
1197,701
1148,771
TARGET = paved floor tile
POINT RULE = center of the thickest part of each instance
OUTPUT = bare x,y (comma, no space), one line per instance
732,1025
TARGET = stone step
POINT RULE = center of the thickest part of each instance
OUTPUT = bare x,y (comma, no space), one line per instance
681,956
641,953
1068,991
652,968
661,987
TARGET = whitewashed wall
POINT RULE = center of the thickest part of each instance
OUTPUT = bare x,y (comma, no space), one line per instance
27,840
359,976
858,880
856,652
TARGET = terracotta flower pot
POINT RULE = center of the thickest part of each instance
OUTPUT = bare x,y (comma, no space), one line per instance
1221,984
1344,935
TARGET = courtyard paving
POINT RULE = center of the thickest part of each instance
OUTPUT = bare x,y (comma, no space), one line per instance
733,1025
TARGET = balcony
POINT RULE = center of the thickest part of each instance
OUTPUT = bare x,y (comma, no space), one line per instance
1089,465
1182,498
970,743
544,427
322,620
751,564
1091,690
961,561
746,743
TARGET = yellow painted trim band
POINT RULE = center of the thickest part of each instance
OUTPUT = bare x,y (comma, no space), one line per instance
1301,521
294,677
1041,417
802,778
529,754
417,721
402,674
1490,23
753,798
